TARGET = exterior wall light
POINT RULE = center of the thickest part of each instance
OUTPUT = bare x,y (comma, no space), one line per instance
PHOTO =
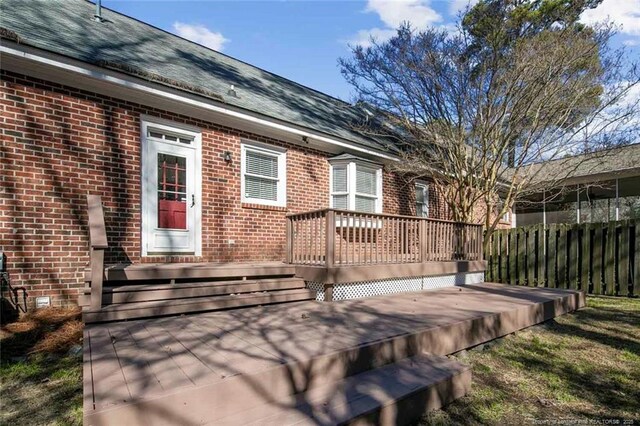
227,156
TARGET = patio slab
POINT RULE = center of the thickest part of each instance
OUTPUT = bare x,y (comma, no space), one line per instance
202,368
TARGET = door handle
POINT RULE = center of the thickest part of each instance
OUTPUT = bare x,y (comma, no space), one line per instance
193,200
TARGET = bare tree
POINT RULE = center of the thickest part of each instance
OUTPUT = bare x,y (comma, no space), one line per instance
475,125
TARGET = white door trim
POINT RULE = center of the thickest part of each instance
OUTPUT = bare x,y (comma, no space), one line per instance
147,163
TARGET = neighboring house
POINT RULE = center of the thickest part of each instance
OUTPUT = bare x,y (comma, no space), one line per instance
599,186
198,157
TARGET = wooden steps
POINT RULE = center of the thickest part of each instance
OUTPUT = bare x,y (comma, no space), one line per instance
392,394
151,271
194,304
371,393
140,290
151,292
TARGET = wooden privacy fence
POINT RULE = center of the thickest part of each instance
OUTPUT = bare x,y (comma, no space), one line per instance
339,237
599,258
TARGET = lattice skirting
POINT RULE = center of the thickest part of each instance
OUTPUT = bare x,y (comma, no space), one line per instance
395,285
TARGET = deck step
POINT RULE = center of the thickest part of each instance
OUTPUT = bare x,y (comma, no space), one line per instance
149,292
186,271
394,394
195,304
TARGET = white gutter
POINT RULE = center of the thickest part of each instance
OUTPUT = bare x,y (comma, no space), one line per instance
98,74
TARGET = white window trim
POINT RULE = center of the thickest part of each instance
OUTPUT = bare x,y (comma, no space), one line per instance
281,155
425,188
352,166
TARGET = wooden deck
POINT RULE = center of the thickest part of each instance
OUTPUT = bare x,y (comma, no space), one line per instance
225,367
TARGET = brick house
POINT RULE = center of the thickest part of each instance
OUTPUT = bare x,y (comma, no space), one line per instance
197,158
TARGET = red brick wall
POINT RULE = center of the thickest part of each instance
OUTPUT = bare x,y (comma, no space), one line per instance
60,143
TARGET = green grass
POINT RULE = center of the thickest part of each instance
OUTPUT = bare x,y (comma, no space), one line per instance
40,380
583,366
42,390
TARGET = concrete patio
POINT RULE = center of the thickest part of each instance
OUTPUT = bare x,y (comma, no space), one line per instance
299,363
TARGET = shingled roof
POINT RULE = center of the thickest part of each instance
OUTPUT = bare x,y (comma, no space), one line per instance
593,166
134,47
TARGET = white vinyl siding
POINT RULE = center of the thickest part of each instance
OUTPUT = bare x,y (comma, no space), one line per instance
422,200
356,187
263,175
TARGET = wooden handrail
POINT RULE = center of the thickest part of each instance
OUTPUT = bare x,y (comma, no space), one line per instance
333,237
97,230
399,216
98,245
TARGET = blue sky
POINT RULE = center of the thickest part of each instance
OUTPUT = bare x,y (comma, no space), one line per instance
302,40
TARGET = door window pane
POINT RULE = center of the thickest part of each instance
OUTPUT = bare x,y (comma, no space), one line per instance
172,192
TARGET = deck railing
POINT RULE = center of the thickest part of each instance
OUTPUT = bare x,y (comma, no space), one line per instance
332,237
98,245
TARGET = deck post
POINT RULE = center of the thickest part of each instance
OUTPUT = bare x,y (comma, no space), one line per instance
289,254
330,238
328,292
423,241
97,275
98,244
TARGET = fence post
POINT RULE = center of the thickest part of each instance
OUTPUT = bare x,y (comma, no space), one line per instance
561,247
552,256
494,259
522,256
585,257
623,259
636,263
598,240
531,256
573,257
541,250
610,260
330,238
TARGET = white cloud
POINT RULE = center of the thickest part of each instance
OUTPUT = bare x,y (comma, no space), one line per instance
625,13
393,13
631,42
200,34
456,6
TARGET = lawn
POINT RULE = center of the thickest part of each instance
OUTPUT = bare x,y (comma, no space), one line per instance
41,369
581,368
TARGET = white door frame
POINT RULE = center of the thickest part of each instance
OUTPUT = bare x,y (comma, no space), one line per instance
148,168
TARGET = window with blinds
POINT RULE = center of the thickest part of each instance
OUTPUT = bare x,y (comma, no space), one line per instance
422,200
340,188
263,175
366,189
356,187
